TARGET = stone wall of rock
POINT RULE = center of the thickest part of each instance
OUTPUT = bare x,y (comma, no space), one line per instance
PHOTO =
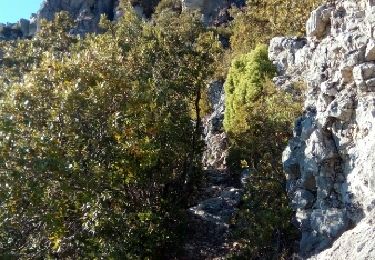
330,162
22,29
215,138
214,11
86,14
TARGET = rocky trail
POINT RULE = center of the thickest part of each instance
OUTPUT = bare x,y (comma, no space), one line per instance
209,234
209,223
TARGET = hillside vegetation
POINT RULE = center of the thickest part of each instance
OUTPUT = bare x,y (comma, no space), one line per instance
100,137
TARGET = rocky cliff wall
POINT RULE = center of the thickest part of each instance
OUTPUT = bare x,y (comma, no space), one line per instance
214,11
86,14
22,29
216,140
330,162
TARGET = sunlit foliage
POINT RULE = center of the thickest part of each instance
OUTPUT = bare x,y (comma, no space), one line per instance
261,20
259,120
99,153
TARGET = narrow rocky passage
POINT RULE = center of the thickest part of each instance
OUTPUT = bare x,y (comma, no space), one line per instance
209,234
209,230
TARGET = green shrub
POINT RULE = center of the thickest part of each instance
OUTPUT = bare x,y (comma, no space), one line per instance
244,86
259,120
260,21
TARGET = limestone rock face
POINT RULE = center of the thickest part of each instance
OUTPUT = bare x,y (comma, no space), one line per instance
215,138
213,11
358,243
330,162
85,12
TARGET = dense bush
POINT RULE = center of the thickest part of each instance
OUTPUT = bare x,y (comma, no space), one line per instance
99,154
100,138
244,87
264,220
261,20
259,119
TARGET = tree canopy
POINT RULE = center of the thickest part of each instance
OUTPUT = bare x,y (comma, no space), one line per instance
101,136
98,148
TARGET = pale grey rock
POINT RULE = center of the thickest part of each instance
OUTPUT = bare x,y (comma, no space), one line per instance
357,243
331,222
331,156
86,13
364,71
363,75
209,235
219,209
341,107
24,27
192,4
370,50
245,177
317,24
303,199
33,25
213,11
216,139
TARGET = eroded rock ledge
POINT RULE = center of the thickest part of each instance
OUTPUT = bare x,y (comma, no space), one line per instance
330,162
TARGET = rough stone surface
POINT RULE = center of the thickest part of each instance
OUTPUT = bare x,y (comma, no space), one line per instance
10,31
330,162
319,22
86,13
214,11
210,233
215,138
358,243
370,50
